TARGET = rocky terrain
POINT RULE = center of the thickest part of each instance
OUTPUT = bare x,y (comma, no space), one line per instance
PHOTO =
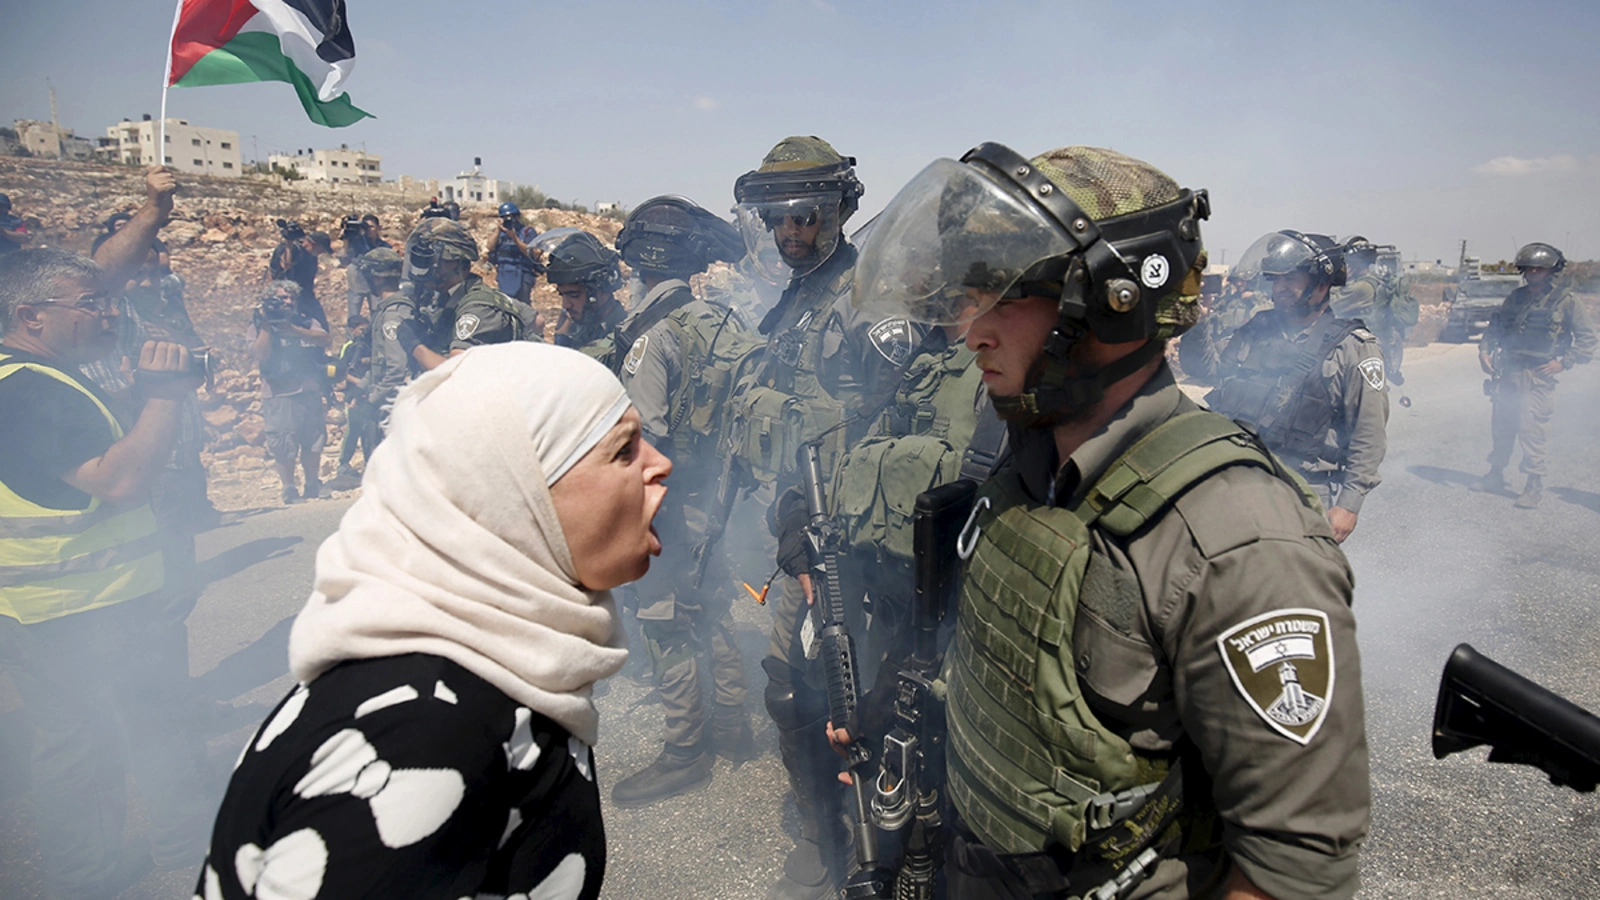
220,238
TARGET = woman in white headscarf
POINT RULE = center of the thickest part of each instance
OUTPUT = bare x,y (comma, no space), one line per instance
438,744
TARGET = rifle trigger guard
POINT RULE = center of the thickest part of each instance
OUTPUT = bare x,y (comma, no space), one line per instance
967,541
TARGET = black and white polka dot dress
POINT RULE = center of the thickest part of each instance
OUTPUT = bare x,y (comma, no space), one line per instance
407,776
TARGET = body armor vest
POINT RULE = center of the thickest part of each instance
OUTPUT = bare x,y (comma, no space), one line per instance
714,349
57,562
1278,387
1031,766
918,444
1530,330
784,404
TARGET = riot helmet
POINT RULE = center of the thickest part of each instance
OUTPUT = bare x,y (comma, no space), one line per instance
1540,256
1360,252
1282,253
673,237
574,256
792,209
380,262
435,243
1112,239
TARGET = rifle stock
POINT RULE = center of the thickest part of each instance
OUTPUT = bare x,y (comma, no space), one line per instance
1482,702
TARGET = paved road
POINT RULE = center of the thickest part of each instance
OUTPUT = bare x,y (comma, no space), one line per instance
1436,565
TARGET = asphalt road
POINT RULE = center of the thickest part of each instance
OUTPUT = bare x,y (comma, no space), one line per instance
1436,565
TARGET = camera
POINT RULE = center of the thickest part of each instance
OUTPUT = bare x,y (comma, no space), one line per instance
290,231
352,229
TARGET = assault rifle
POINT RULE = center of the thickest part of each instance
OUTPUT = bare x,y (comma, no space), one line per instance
911,772
721,507
824,542
1483,702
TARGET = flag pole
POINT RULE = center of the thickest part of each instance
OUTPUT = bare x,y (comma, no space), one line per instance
166,78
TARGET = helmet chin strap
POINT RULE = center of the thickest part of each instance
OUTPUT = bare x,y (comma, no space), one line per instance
1053,395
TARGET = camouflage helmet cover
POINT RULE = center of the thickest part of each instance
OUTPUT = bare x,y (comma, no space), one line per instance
450,239
381,262
1540,256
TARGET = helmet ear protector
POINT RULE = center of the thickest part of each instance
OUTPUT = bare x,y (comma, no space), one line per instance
1119,266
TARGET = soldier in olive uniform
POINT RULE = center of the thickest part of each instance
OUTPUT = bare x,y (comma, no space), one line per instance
585,274
404,337
664,351
1310,383
1539,332
1379,300
1154,687
823,361
470,312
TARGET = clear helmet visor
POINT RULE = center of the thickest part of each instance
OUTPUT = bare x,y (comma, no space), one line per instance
791,236
1272,255
554,238
950,245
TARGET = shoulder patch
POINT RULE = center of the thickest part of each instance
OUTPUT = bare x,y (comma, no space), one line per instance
1361,332
390,329
1372,370
466,326
1282,664
635,356
894,339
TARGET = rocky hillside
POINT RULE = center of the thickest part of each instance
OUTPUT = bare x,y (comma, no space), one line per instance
220,239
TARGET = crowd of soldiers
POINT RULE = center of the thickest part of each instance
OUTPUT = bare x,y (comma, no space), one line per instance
1003,323
890,383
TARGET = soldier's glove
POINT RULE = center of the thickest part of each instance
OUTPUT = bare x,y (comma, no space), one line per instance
789,526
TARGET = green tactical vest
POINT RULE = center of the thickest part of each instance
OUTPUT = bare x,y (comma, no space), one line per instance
1530,329
917,444
783,404
715,348
1030,764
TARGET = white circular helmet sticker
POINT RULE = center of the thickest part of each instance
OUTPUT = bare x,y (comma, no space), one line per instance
1154,272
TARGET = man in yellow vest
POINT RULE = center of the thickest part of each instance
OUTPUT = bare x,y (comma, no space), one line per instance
99,665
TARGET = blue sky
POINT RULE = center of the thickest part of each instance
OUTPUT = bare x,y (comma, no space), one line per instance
1414,123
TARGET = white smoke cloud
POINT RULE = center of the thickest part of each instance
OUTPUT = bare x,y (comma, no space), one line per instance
707,104
1517,166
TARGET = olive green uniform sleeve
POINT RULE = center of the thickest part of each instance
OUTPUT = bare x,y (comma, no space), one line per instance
1360,392
481,323
651,372
1358,300
395,333
1237,549
1578,326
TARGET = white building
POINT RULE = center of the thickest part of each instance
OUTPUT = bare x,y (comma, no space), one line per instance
475,189
341,166
51,141
189,149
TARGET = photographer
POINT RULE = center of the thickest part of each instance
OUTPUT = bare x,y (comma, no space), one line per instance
13,231
291,348
100,665
359,236
295,259
362,428
516,263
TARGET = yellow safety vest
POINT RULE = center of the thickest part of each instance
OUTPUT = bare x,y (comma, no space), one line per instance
56,562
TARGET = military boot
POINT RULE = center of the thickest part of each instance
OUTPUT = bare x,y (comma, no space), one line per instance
815,867
676,771
346,479
731,734
1492,483
313,488
1532,493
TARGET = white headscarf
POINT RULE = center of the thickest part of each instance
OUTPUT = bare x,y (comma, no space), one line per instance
454,548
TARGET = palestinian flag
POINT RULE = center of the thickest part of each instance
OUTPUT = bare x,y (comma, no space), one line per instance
306,43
